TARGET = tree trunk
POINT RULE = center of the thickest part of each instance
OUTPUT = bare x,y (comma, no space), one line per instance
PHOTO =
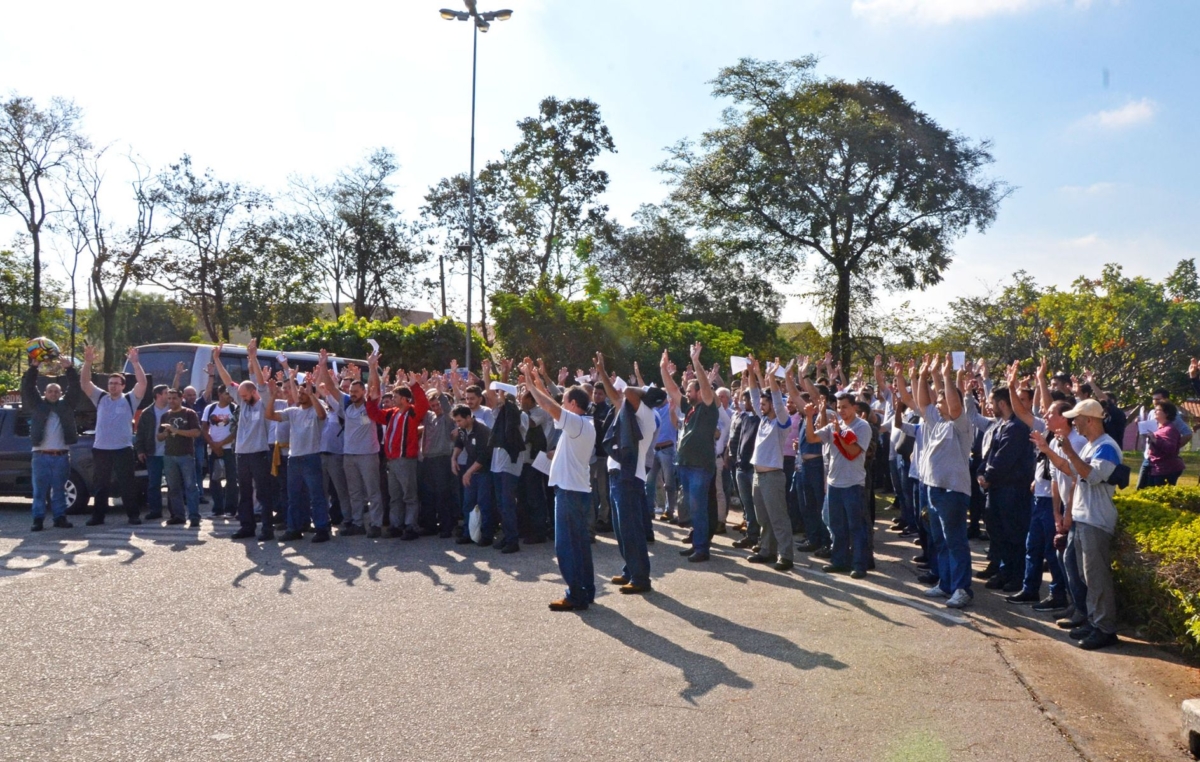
35,316
839,339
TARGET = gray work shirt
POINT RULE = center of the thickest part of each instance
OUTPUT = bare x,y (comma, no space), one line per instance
304,429
114,420
361,437
946,451
252,425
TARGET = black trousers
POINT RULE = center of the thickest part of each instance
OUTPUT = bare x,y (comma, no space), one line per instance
439,509
111,467
254,473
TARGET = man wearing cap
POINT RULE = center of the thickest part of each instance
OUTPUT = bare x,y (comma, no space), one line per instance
1094,519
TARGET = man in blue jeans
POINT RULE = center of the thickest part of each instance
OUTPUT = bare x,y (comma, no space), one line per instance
52,431
663,462
1005,476
571,478
178,432
695,457
472,463
945,471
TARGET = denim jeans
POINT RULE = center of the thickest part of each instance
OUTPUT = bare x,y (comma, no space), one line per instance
50,474
899,471
694,481
1009,506
505,500
201,448
573,544
1039,546
745,486
154,482
948,531
663,461
479,492
1076,585
601,505
224,496
812,501
181,485
306,493
848,527
790,468
629,517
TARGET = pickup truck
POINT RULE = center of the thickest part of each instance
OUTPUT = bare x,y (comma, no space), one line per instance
16,458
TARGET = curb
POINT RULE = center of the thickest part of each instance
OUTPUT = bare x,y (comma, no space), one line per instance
1191,726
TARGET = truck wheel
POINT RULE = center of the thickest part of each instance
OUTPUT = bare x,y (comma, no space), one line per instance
76,492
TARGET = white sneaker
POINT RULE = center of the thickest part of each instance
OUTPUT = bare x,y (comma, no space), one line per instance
960,599
935,592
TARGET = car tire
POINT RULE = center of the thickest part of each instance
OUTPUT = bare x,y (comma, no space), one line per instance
76,492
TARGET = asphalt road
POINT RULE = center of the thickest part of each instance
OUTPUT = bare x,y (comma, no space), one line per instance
157,643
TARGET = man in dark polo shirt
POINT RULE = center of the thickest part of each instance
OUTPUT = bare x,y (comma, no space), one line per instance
695,458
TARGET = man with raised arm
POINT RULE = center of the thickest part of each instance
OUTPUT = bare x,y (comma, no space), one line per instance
360,459
250,447
695,458
627,442
770,482
402,446
52,431
306,490
570,476
112,449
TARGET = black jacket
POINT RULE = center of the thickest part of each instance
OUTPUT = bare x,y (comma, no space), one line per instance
742,438
40,409
1008,454
145,440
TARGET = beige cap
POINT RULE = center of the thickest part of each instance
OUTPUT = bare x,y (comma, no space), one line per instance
1089,408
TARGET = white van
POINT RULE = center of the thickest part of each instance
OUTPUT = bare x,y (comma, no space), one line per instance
159,360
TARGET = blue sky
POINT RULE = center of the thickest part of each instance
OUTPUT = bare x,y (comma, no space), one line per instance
1104,172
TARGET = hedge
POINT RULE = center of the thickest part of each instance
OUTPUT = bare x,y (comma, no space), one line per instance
1157,563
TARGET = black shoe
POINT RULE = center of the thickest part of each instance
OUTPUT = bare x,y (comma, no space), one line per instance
176,521
537,539
373,532
745,542
1098,639
649,540
194,524
464,540
485,542
720,528
987,572
921,559
1025,596
825,552
62,523
409,534
291,535
760,559
513,548
242,534
923,565
684,525
832,569
321,535
807,547
928,578
279,524
266,535
687,539
1050,604
446,535
38,525
697,557
349,530
394,532
856,574
784,564
94,521
134,520
686,552
1081,632
1012,587
603,527
909,532
336,517
995,583
153,516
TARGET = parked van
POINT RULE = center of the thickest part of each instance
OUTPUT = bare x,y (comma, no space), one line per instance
159,360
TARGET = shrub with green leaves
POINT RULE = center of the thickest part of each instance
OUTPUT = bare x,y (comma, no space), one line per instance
429,345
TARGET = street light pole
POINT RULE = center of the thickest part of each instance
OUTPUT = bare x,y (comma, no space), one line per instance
482,22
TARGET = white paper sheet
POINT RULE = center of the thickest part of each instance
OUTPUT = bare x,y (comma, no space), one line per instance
1147,427
506,388
583,380
542,463
959,359
738,364
620,384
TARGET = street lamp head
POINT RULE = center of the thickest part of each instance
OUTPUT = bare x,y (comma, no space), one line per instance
482,25
503,15
450,15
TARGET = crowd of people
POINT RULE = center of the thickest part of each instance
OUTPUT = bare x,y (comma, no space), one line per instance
1031,464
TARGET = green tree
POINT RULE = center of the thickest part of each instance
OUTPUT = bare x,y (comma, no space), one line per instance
275,286
850,172
445,223
38,148
429,345
546,191
145,317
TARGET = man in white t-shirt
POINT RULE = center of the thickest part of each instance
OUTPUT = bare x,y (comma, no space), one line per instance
217,424
632,437
112,448
571,478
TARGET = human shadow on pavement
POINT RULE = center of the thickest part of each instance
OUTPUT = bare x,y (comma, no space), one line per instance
746,639
702,673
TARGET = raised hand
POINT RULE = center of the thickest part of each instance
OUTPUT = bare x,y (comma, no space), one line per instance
179,369
696,349
563,374
1194,368
132,356
252,348
1043,366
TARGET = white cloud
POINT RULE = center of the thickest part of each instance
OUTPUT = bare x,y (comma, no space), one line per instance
1131,114
1083,242
1095,189
949,11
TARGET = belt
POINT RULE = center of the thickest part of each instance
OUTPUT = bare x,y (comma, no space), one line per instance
760,470
663,445
811,457
53,452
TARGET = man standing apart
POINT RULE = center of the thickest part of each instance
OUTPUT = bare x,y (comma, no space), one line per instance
112,448
696,459
52,431
179,430
570,476
250,446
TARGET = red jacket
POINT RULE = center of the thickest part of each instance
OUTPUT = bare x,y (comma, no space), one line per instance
401,439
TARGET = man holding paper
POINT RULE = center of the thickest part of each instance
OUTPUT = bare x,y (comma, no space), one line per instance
570,476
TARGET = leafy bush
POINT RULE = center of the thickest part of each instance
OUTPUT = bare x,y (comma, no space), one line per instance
429,345
1157,563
